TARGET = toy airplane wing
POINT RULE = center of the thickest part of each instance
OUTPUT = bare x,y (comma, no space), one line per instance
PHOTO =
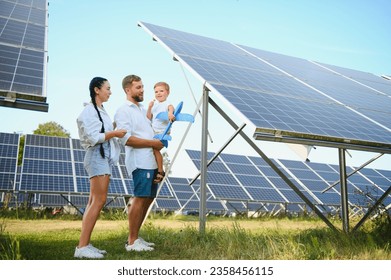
182,117
178,115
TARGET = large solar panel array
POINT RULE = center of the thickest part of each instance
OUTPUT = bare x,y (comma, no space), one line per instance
53,165
23,54
9,149
248,178
286,98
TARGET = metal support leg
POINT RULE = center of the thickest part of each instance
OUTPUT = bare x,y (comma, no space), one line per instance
344,190
204,160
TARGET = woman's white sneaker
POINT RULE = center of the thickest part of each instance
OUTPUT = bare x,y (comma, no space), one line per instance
87,252
137,246
103,252
149,244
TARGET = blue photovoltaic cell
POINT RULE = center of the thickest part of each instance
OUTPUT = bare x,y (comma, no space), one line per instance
83,184
116,186
265,194
45,183
9,148
376,83
313,183
213,205
193,205
260,207
47,141
47,153
291,196
35,166
77,200
281,93
51,200
82,180
236,206
169,204
220,180
212,202
184,193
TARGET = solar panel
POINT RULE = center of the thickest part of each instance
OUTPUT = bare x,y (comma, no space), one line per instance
47,165
236,177
222,184
167,204
9,149
23,54
350,87
256,181
286,98
213,203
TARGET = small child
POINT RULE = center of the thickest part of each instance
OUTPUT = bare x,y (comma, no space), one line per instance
160,104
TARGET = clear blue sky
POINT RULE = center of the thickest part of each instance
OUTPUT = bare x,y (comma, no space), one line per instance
101,38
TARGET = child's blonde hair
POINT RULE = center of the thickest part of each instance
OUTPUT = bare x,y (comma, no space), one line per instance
162,84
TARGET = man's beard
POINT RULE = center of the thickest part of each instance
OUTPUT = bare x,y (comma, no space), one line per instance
138,98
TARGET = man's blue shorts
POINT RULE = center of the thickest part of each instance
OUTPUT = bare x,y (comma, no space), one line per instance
143,183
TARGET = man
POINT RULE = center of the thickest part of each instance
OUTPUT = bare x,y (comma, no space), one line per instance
139,158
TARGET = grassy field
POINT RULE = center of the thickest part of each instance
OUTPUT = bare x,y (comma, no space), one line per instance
178,238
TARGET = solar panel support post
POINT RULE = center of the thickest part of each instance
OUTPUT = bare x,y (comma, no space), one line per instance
273,166
344,190
204,160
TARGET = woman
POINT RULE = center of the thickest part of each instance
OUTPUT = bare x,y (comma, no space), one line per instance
96,132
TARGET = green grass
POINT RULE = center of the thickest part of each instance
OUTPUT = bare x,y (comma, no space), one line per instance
225,238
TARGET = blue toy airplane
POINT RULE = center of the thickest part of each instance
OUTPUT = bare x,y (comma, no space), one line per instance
164,137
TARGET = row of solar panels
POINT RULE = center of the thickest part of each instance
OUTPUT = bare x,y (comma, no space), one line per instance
54,165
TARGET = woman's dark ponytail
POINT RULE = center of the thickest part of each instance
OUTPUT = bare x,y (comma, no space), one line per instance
97,82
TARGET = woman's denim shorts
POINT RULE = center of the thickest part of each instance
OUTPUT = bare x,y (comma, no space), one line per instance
95,164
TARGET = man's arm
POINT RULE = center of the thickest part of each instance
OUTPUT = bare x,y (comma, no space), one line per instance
136,142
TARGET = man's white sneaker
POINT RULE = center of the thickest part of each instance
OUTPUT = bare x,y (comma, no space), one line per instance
87,252
103,252
149,244
137,246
